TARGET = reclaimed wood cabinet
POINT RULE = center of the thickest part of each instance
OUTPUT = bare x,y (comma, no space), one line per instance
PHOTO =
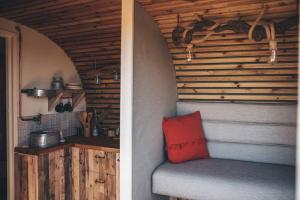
95,174
70,173
42,176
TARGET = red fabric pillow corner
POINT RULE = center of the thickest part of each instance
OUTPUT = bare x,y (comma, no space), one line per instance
185,138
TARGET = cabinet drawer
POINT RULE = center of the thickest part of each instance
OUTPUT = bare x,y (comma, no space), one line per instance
95,161
102,162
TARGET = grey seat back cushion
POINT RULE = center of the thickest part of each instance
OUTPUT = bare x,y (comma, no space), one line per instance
249,132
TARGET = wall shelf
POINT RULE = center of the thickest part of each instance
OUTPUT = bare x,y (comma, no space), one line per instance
76,95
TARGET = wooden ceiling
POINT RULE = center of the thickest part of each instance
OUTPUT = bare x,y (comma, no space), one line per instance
87,30
228,66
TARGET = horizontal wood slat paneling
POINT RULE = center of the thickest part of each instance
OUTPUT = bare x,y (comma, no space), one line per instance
238,97
86,30
228,66
236,91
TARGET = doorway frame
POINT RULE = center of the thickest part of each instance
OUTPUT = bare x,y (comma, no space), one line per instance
12,102
127,37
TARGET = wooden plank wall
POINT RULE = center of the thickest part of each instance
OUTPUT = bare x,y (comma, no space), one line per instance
86,30
229,67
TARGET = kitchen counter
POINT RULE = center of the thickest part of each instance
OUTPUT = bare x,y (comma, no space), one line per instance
62,171
98,143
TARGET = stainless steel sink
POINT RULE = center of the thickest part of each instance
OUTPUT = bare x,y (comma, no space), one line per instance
44,138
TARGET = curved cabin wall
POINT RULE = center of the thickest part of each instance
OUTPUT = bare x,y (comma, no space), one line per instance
154,97
228,66
41,60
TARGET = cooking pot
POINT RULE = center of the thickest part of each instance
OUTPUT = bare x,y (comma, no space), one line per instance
43,139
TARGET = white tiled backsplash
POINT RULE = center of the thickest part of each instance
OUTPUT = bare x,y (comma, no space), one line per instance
67,122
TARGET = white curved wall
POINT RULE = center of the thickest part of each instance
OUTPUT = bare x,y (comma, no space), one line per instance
41,60
154,97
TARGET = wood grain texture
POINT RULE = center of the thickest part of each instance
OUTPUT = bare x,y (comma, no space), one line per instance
41,177
60,174
26,177
92,177
68,173
73,173
118,176
228,66
110,190
82,174
18,175
32,177
43,171
52,175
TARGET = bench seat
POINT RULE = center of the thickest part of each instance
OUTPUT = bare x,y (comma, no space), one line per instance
215,179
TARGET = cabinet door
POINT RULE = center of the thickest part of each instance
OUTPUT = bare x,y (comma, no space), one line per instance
88,177
112,184
77,181
42,177
56,175
53,168
26,177
93,174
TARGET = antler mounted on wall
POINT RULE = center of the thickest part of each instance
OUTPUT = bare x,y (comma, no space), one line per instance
256,31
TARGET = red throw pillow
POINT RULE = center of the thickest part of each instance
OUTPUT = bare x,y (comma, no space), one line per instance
184,137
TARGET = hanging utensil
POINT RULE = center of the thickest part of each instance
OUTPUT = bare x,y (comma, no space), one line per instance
60,107
68,106
177,32
116,76
97,79
89,117
84,115
85,119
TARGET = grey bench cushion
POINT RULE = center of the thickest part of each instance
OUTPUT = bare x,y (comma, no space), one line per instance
248,132
215,179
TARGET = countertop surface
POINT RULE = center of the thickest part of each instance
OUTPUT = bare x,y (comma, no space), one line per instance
98,143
